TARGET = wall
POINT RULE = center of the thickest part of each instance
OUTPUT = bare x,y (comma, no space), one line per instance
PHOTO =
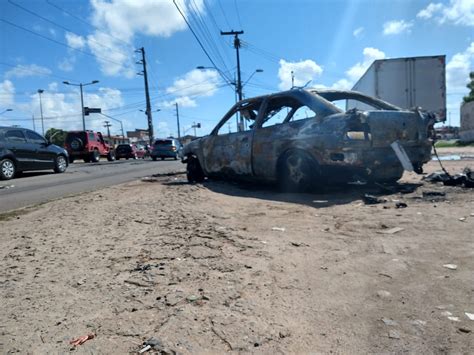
467,122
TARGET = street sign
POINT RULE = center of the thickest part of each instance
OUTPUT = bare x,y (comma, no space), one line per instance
88,110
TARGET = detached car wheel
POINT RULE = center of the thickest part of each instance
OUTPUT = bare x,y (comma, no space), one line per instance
7,169
60,165
194,171
297,172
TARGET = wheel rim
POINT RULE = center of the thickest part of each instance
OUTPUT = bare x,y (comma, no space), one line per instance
294,166
61,163
8,169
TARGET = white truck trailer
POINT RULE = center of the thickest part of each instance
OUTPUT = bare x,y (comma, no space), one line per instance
407,83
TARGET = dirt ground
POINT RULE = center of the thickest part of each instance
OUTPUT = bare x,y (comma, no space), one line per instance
219,267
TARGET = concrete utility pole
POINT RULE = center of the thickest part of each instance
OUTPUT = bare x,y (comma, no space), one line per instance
107,125
147,94
40,91
177,119
238,86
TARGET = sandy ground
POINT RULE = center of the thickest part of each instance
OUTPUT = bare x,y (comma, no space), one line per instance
220,267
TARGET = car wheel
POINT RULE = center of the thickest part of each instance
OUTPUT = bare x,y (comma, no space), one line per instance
194,171
154,158
87,160
117,158
176,157
297,172
7,169
95,156
60,164
111,156
71,160
76,144
162,158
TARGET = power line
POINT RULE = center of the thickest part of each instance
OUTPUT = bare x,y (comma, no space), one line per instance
58,25
58,42
238,14
223,13
200,44
86,22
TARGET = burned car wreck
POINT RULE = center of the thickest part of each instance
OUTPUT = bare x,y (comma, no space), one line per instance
301,139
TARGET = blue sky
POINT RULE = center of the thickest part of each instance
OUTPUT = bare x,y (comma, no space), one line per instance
331,43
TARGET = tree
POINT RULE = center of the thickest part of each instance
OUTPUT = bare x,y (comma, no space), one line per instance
470,86
56,136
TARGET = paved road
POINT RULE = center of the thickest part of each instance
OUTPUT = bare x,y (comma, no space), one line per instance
37,187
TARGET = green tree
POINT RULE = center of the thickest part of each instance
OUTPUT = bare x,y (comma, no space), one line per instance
470,86
56,136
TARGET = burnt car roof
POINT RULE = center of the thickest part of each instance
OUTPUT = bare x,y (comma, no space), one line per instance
333,95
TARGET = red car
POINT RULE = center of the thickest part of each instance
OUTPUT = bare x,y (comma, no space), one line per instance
129,151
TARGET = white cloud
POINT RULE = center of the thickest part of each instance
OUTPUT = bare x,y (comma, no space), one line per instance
193,84
304,71
67,64
7,93
123,19
21,71
358,32
75,41
357,70
457,12
397,27
458,68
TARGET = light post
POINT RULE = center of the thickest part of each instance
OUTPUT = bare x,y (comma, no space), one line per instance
250,77
40,91
7,110
82,98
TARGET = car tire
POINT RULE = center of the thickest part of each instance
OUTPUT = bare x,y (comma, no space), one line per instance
162,158
87,159
176,157
77,144
297,172
194,171
117,158
111,156
95,156
60,164
154,158
135,157
71,160
7,169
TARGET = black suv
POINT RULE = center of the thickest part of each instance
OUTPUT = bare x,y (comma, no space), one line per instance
22,149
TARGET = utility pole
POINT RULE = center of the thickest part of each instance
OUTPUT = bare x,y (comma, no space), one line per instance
147,94
292,79
107,125
194,126
34,125
177,119
40,91
238,87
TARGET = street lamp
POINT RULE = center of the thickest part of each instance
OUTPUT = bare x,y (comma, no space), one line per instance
40,91
250,77
82,98
7,110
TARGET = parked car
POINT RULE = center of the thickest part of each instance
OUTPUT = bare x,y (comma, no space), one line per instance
22,150
89,146
129,151
166,148
301,139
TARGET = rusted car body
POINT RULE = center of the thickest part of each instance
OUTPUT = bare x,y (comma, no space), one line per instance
300,138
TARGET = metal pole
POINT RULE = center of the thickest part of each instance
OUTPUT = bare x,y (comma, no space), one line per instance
194,126
177,119
147,94
34,125
82,110
41,110
292,79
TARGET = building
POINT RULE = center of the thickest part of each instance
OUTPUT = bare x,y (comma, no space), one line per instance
138,135
116,140
467,122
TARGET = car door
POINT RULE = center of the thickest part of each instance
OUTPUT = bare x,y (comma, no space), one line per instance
228,149
16,142
43,154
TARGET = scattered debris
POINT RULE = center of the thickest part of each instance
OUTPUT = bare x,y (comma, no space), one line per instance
393,334
418,322
427,194
392,230
278,229
155,344
464,330
6,187
389,322
450,266
81,340
372,200
465,178
402,156
383,294
469,315
454,319
462,219
446,313
401,205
